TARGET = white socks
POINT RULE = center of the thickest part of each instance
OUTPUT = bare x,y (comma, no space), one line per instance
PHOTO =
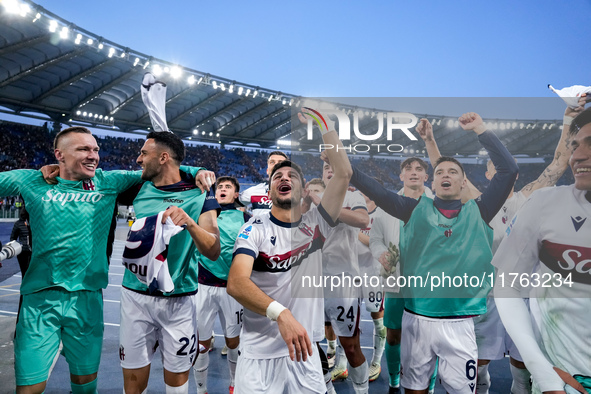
232,360
483,380
379,341
360,378
184,389
520,383
200,370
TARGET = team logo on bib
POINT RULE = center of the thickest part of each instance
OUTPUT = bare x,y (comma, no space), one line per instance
447,233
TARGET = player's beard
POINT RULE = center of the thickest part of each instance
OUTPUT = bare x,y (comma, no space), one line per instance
283,203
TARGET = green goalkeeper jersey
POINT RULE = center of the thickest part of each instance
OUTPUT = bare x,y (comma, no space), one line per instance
69,226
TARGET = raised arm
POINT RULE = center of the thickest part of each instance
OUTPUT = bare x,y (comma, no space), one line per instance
398,206
334,195
556,168
502,182
425,130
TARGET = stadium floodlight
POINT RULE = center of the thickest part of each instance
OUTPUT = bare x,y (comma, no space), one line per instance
136,61
256,92
231,89
247,92
291,102
270,97
52,26
84,113
195,132
223,87
240,90
111,51
101,117
166,69
203,133
100,45
111,119
146,64
283,101
210,133
78,113
521,126
217,134
176,72
412,151
12,6
502,126
157,70
78,39
450,123
214,84
191,80
90,41
514,125
456,123
200,80
123,54
24,10
90,114
64,32
37,17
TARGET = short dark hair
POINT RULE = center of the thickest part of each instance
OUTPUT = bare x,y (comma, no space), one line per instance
288,163
582,119
443,159
77,129
230,179
277,152
411,160
170,141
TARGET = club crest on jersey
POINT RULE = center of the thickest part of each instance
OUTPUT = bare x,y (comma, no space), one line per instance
88,184
578,222
304,228
257,221
273,240
504,219
447,233
245,233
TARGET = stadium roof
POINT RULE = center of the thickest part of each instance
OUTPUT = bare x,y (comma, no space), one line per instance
51,68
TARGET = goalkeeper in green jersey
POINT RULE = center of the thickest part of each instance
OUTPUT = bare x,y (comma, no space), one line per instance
62,299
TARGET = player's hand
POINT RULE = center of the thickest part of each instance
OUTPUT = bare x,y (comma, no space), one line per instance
425,130
384,260
324,157
50,172
295,336
573,112
205,180
319,119
572,386
471,121
178,216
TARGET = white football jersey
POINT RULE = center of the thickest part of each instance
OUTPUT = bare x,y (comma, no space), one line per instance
339,254
551,236
257,197
146,250
285,254
502,219
367,263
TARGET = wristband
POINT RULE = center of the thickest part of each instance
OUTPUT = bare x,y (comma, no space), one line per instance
567,120
274,309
